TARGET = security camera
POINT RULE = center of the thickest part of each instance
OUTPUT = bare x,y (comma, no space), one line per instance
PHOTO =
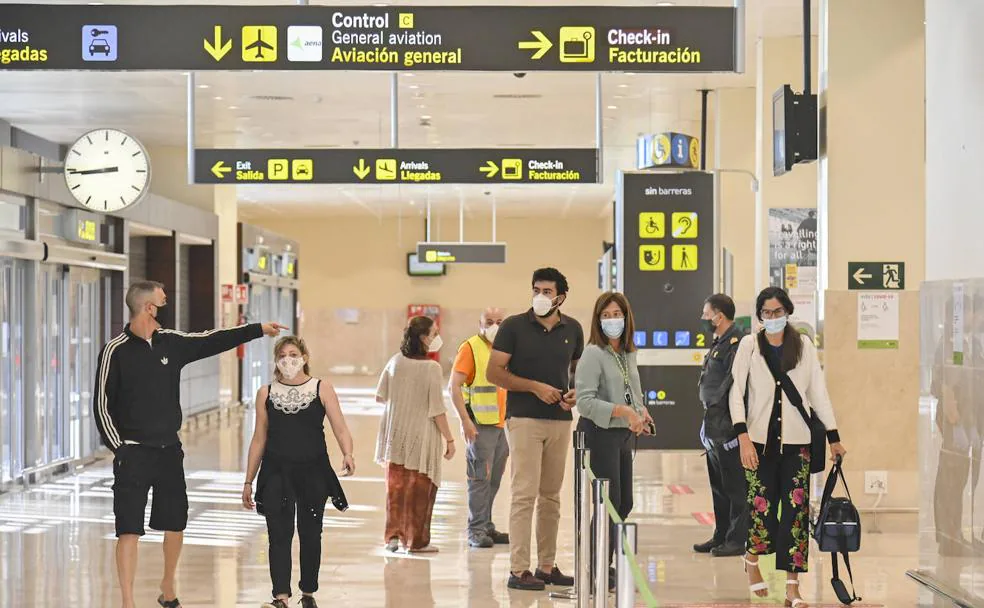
519,74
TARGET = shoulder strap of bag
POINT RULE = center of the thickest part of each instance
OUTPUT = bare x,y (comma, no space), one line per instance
840,590
775,366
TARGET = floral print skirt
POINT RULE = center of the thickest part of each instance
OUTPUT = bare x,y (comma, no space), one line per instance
779,500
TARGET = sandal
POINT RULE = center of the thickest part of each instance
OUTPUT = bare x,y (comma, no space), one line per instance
392,545
798,602
755,587
175,603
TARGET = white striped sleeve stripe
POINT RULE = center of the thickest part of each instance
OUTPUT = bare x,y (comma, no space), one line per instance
102,405
199,334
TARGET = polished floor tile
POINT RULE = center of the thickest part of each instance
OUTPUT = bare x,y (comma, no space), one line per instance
56,540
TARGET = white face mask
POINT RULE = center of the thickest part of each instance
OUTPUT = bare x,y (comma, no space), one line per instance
290,366
490,333
435,344
613,328
774,326
542,305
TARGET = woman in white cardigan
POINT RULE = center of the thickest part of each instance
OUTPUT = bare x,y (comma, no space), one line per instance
775,440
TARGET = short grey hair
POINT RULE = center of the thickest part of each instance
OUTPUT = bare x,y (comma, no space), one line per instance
137,294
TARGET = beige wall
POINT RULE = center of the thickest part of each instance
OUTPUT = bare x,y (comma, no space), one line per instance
360,263
875,188
169,177
735,111
780,61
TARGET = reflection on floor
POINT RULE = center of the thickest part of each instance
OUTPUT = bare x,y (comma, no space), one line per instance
56,540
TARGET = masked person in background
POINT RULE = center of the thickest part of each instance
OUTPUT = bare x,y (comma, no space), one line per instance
410,442
482,409
296,475
137,411
724,471
534,357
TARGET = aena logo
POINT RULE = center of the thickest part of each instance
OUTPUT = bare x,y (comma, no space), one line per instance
304,43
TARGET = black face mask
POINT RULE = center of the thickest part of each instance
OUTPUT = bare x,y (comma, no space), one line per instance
163,316
708,326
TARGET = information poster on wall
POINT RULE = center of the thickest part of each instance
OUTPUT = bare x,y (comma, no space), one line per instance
793,249
878,320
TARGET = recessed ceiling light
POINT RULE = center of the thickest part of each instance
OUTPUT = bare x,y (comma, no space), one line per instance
217,98
233,107
414,86
425,117
612,107
623,86
203,86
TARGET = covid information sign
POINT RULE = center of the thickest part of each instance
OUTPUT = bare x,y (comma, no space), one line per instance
371,38
665,242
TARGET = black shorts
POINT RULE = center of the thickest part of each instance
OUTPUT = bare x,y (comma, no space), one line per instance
137,469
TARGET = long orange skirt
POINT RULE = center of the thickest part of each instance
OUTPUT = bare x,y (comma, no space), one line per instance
410,497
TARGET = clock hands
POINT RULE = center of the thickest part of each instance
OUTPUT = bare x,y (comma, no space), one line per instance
94,171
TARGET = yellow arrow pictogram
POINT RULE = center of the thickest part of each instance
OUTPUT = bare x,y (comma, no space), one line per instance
219,170
361,170
541,45
490,169
217,49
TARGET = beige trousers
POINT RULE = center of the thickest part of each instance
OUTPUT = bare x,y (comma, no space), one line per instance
538,451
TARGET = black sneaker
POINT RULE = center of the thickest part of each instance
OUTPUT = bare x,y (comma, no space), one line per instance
499,538
708,546
480,542
525,582
555,577
275,604
728,550
307,601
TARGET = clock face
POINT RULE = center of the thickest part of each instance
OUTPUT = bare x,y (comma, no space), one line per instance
107,170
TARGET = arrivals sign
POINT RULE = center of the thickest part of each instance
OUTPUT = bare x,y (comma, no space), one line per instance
375,38
397,166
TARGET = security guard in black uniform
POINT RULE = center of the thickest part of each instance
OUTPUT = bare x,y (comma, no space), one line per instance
723,459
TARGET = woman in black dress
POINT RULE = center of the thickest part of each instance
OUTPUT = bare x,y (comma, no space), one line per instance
296,476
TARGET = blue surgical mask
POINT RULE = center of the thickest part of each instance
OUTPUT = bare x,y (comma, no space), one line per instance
774,326
613,328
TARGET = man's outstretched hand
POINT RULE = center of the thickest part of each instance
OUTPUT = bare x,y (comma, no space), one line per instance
272,330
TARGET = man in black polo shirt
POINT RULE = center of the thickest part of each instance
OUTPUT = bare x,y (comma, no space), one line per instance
533,357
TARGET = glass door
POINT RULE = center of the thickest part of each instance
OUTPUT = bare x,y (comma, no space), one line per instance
52,424
258,358
85,337
285,310
12,277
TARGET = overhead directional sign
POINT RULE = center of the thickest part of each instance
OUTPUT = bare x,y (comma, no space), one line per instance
462,253
876,276
400,166
404,38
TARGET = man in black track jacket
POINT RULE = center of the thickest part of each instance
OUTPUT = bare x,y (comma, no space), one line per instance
137,409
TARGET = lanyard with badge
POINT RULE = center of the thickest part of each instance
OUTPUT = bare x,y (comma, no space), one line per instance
623,369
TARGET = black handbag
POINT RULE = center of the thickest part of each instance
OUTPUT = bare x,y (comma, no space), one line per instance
818,432
837,530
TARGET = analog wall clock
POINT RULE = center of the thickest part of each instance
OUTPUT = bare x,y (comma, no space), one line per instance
107,170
